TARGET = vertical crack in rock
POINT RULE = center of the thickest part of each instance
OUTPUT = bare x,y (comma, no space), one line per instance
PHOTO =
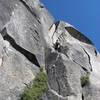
36,32
57,24
81,66
30,10
82,97
95,52
31,57
88,58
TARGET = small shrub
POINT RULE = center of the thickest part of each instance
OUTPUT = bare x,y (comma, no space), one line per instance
35,91
84,80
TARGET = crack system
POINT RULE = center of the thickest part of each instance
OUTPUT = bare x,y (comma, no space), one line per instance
88,58
31,57
30,10
81,66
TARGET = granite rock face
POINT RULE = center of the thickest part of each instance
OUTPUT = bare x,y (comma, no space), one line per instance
29,39
74,57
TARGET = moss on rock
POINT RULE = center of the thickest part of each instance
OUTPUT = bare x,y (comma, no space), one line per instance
84,80
37,89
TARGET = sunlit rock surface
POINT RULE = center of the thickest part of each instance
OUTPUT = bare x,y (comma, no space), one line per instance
33,39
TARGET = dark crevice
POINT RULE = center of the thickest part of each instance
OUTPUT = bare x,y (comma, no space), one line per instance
57,46
35,31
30,10
82,97
85,69
95,53
88,58
31,57
78,35
57,24
61,37
34,37
60,48
81,66
66,55
41,6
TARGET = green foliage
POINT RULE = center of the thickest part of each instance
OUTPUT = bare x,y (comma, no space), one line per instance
85,80
35,91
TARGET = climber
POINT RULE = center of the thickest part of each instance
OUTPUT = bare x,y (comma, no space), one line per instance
57,46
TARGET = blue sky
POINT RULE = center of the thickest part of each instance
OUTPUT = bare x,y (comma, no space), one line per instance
83,14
